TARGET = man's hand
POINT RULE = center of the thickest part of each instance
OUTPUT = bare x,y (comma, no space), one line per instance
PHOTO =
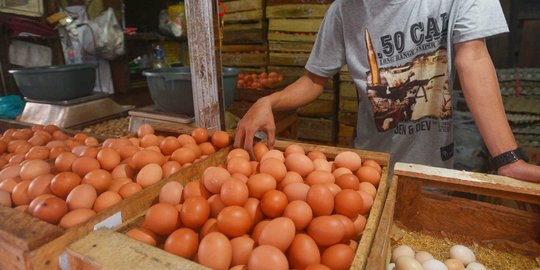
521,170
258,117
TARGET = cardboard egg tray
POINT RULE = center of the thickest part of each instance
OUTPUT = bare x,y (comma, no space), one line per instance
449,206
112,249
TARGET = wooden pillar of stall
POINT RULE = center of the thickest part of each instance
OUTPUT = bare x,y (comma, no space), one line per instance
205,62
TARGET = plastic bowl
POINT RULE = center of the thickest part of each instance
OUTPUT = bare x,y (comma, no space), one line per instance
171,90
55,83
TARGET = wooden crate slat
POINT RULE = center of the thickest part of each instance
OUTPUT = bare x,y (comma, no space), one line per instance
296,25
296,37
323,106
244,48
296,11
347,89
284,46
288,59
318,129
232,27
348,104
244,16
245,59
282,2
245,37
243,5
92,249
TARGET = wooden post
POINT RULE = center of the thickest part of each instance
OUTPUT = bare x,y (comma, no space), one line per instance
205,62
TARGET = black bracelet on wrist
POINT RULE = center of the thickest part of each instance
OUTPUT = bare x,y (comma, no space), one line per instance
508,157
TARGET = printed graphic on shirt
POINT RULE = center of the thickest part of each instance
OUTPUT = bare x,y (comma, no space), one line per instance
412,92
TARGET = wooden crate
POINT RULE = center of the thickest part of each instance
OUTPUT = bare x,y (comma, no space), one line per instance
108,249
410,206
347,89
298,30
27,242
292,73
348,104
295,11
323,106
245,33
243,11
281,2
317,129
245,55
347,118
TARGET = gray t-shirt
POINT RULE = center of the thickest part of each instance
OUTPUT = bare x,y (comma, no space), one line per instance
397,53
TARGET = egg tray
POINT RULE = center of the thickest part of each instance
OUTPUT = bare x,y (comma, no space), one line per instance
112,249
433,207
27,242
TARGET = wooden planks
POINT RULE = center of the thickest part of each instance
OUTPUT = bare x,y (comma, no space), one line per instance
296,11
475,222
85,254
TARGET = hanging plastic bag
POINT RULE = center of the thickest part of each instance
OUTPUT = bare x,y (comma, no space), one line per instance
103,36
11,107
172,22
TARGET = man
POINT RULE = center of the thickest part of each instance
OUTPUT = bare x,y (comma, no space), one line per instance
401,55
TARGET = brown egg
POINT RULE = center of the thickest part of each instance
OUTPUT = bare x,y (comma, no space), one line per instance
321,200
294,148
19,195
233,221
368,188
359,224
13,145
184,139
274,153
339,257
279,232
303,252
98,178
80,137
320,177
5,198
253,206
322,165
267,257
60,135
10,172
34,168
195,189
56,143
183,242
221,139
240,176
290,177
215,251
273,167
313,155
299,163
8,185
16,158
144,157
260,183
195,212
242,247
76,217
144,129
36,201
296,191
368,174
349,203
195,148
367,202
256,232
40,185
207,148
184,155
19,135
169,145
200,135
84,165
142,234
348,181
273,203
349,160
149,175
37,152
234,192
170,167
129,189
64,161
106,200
37,140
209,226
118,183
348,228
63,183
300,213
56,151
214,177
127,151
162,218
123,171
238,153
82,196
108,158
372,163
259,149
326,230
150,140
239,165
171,193
51,210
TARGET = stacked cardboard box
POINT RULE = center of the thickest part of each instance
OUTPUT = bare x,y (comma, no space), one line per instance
245,36
292,30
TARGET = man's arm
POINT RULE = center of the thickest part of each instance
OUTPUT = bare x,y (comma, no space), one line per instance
260,117
481,89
